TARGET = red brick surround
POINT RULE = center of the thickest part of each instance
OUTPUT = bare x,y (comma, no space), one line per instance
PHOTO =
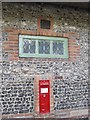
11,45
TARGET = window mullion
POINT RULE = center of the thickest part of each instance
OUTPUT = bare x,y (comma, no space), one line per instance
51,47
37,47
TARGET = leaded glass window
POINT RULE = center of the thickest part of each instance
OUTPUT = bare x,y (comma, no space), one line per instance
58,48
29,46
42,46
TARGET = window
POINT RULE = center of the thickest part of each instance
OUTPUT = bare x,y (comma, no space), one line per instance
43,47
45,24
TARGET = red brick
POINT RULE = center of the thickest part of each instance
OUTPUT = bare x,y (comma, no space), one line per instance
65,35
14,58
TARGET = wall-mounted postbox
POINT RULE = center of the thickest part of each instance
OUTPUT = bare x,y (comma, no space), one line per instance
44,96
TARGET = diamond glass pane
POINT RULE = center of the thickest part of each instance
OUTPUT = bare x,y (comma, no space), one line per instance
58,48
29,46
44,47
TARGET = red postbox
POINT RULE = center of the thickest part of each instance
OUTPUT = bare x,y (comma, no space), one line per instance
44,96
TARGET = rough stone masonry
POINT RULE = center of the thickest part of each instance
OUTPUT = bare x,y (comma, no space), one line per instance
70,76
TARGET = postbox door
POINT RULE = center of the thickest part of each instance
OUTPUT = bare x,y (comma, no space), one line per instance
44,98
